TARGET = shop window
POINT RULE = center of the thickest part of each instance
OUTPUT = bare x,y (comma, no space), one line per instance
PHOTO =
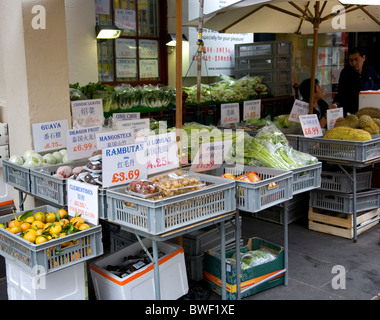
138,56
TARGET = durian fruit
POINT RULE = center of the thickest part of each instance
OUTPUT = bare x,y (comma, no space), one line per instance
377,121
347,133
368,124
373,112
351,121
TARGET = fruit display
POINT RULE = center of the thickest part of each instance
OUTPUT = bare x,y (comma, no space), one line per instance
347,133
40,227
367,119
32,159
251,176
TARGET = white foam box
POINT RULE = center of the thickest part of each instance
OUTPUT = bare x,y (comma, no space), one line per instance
66,284
369,99
140,284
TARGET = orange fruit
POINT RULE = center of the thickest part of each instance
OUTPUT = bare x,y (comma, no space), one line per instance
2,226
29,219
55,229
38,232
37,224
41,239
63,222
62,213
50,217
39,216
15,229
77,221
84,226
25,226
14,223
30,235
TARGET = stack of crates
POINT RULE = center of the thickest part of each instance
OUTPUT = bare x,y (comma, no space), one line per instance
331,206
271,61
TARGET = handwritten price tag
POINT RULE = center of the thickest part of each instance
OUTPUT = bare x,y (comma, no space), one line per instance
310,125
299,108
81,143
87,113
123,164
252,109
229,113
332,116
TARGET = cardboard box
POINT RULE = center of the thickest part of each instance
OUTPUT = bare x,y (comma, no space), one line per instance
250,276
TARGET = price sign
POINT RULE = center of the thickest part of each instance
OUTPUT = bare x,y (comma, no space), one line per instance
123,164
126,116
87,113
82,198
229,113
310,125
139,127
162,152
299,108
114,139
81,143
252,109
210,155
332,116
49,135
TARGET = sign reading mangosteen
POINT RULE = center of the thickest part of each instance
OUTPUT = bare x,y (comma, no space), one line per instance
82,199
123,164
87,113
114,139
81,143
49,135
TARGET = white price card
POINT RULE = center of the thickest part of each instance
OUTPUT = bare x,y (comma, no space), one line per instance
87,113
121,165
140,127
299,108
310,125
82,199
332,116
162,152
210,155
229,113
252,109
81,143
49,135
126,116
114,139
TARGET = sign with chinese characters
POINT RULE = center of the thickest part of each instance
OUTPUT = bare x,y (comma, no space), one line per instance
125,19
125,48
252,109
121,165
148,68
332,116
299,108
114,139
229,113
139,127
49,135
310,125
81,143
82,199
87,113
148,49
162,152
210,155
126,68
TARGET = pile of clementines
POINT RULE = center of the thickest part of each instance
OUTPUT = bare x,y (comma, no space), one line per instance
40,227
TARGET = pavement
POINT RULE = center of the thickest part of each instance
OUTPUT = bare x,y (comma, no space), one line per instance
313,257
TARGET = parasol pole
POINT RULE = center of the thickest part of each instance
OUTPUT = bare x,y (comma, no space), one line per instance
199,56
179,75
316,23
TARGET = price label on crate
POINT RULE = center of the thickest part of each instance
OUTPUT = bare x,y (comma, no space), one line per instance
49,135
114,139
299,108
310,125
162,152
121,165
87,113
252,109
82,198
229,113
210,155
81,143
332,116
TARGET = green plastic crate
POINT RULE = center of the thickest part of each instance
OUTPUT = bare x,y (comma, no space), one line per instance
250,276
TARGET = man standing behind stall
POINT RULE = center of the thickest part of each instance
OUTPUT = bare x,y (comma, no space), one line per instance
357,76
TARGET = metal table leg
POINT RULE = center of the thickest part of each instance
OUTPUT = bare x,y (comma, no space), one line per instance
238,269
223,259
286,226
354,203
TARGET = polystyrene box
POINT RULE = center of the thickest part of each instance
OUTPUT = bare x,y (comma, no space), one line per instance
369,99
66,284
140,284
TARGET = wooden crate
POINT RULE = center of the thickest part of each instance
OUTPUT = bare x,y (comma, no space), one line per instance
341,224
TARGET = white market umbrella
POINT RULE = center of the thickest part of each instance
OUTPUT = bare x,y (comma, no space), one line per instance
300,17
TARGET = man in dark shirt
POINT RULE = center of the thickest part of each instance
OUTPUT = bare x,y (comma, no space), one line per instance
357,76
